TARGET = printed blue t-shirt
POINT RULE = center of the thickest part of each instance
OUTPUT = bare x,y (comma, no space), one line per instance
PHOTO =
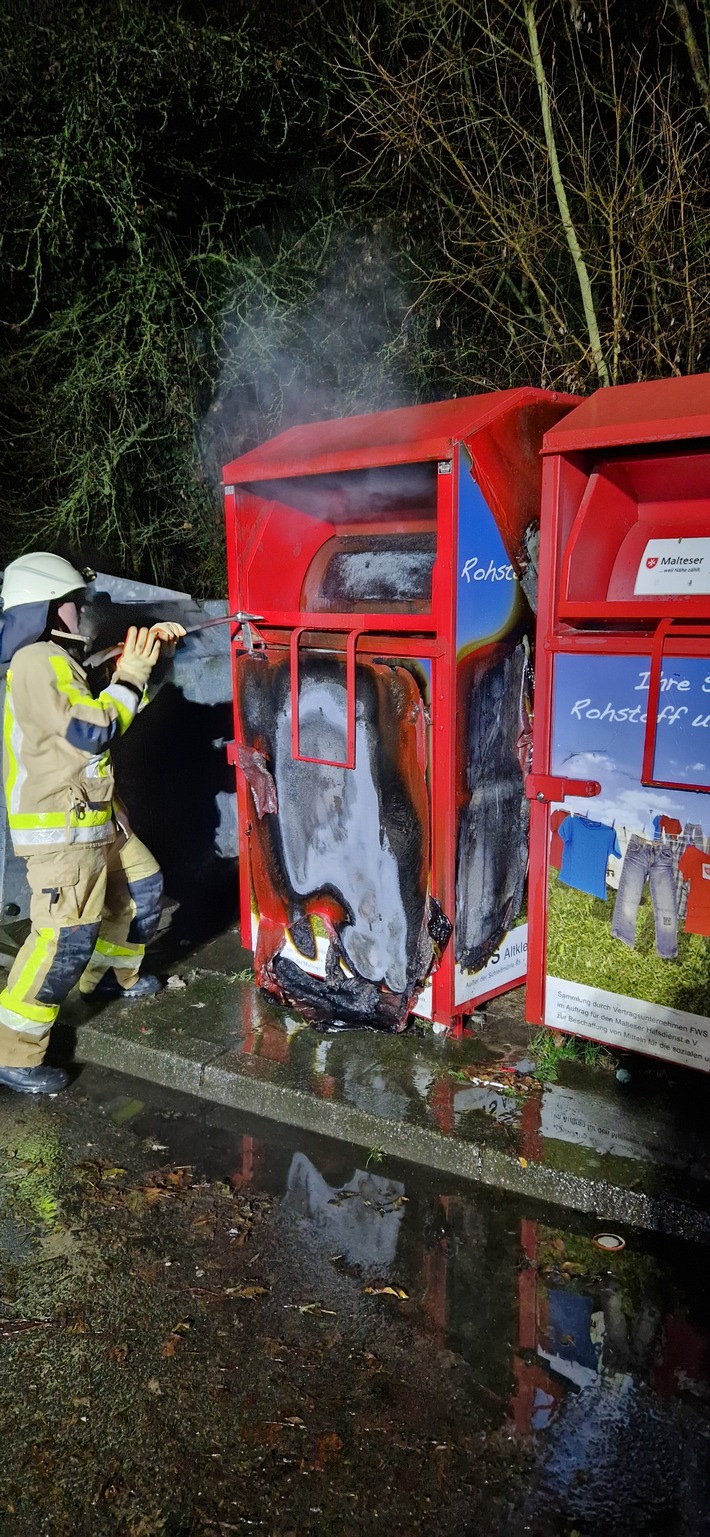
586,849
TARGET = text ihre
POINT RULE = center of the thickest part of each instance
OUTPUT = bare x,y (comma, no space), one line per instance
584,710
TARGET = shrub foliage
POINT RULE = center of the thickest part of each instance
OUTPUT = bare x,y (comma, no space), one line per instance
222,217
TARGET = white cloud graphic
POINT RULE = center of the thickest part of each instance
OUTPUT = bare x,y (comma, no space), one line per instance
623,801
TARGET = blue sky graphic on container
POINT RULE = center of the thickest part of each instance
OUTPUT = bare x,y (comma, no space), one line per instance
598,733
487,588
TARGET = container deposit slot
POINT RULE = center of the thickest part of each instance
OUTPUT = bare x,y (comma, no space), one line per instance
377,544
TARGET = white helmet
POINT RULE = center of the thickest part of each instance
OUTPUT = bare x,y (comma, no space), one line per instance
40,578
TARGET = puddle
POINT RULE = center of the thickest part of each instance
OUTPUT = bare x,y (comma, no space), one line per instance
572,1354
523,1296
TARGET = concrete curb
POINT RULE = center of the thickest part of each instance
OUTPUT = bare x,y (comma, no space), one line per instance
204,1069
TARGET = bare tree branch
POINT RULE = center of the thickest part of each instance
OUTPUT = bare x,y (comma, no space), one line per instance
697,63
567,222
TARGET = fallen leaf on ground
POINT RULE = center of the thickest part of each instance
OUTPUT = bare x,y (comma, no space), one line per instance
203,1228
387,1291
310,1307
149,1271
127,1111
118,1353
137,1200
327,1446
249,1290
176,1334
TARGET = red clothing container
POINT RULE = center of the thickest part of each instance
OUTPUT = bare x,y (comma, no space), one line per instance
621,747
382,731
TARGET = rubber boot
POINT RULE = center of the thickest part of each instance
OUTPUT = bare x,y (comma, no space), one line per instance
110,987
34,1080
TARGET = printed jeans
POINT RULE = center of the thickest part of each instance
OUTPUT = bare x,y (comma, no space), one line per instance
652,861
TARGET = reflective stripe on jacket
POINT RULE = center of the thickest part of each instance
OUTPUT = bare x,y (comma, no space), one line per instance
56,765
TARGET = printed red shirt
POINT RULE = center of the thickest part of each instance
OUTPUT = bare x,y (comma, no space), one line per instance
557,847
695,868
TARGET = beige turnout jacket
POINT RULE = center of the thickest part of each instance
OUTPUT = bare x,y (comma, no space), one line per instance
57,769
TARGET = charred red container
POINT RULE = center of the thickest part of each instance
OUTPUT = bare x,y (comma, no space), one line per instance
620,833
383,731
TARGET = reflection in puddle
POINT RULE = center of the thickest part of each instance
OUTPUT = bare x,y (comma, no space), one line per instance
483,1097
605,1125
360,1220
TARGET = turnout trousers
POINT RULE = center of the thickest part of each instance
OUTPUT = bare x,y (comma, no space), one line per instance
93,909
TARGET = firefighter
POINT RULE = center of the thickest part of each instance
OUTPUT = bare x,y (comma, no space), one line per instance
95,888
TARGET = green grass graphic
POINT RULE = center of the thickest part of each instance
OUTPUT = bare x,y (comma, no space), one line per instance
580,948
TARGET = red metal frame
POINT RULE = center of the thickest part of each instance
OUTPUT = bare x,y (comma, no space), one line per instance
663,632
542,735
375,645
442,751
350,699
244,805
380,624
550,787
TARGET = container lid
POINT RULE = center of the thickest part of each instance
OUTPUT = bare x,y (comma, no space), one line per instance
404,436
661,411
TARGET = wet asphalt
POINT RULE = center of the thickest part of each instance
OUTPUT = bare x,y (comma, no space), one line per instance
213,1324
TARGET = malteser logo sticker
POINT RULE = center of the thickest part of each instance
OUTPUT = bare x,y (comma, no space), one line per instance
670,566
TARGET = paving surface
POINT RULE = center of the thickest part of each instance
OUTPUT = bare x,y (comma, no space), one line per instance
212,1325
468,1107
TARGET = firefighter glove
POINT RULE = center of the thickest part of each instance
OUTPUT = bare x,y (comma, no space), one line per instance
141,650
169,631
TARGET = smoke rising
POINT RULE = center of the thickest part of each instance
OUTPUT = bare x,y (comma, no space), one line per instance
321,327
